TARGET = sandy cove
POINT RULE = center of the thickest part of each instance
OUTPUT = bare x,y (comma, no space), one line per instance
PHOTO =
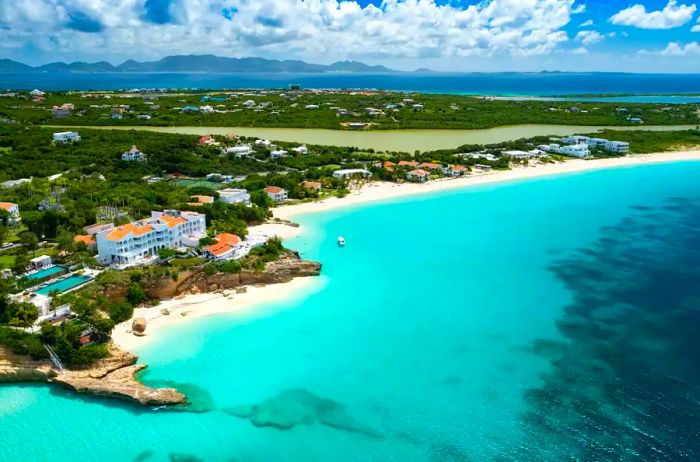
183,309
202,305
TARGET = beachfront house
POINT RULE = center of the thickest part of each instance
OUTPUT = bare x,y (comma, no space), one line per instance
138,242
276,193
517,154
418,175
430,166
13,210
575,150
483,168
227,247
455,170
234,196
277,154
240,151
619,147
408,163
316,185
66,137
133,155
348,173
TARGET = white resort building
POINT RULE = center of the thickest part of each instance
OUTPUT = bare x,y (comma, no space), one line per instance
240,150
133,155
346,173
66,137
12,209
139,242
234,196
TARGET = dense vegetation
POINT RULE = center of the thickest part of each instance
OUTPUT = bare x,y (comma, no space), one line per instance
284,109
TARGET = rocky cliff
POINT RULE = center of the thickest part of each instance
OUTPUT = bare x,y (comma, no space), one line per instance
197,281
113,377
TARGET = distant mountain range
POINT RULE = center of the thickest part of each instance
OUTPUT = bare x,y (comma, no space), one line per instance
199,63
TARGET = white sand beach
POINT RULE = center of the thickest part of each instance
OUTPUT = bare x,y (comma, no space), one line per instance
379,191
185,308
201,305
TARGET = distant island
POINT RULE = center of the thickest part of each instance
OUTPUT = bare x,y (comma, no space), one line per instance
200,63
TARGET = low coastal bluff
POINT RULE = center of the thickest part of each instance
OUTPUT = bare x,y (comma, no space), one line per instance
287,267
112,377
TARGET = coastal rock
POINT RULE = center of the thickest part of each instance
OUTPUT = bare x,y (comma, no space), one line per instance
242,290
138,326
195,281
165,312
112,377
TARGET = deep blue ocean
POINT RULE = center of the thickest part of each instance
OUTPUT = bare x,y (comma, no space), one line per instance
515,84
553,319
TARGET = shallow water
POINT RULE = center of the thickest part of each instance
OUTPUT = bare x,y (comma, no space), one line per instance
548,319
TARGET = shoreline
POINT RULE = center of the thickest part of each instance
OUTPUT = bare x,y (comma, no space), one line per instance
185,308
198,306
383,191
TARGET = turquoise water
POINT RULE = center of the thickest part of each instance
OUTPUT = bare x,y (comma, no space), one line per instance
549,319
46,272
64,284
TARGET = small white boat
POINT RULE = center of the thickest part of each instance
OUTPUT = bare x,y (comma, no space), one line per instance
341,241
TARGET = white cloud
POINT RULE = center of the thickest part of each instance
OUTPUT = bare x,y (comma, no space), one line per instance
587,23
676,49
696,27
673,15
589,37
580,51
312,29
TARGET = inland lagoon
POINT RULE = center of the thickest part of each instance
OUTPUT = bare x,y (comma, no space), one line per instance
397,140
546,319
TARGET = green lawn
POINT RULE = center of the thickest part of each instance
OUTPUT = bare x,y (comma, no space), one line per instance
186,262
199,183
7,261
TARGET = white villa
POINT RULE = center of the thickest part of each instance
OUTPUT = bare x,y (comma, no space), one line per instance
418,175
133,155
524,154
240,150
139,242
264,143
12,209
351,172
455,170
276,193
228,246
301,149
575,150
234,196
66,137
278,153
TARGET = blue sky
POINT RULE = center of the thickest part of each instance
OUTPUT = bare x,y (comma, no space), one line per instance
450,35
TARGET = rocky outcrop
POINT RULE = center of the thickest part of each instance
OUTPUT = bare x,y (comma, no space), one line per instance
285,269
113,377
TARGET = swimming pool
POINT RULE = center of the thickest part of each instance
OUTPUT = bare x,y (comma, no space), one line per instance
46,272
64,284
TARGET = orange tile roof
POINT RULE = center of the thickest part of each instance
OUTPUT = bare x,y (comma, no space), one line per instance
120,232
205,199
274,189
86,239
458,168
195,204
228,238
7,205
418,172
430,166
226,242
172,221
311,184
408,163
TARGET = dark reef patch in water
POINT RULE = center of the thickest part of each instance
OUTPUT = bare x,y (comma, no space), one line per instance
300,407
200,399
181,457
625,382
143,456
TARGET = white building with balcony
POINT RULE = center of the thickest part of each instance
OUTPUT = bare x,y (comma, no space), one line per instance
66,137
133,155
138,243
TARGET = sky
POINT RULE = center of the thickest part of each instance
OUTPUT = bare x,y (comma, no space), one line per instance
443,35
